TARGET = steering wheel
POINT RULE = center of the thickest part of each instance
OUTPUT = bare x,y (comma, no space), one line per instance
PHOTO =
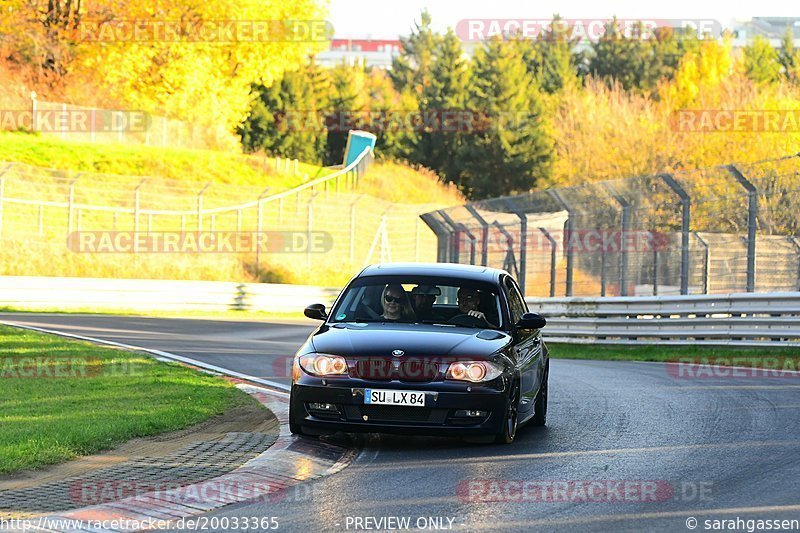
468,320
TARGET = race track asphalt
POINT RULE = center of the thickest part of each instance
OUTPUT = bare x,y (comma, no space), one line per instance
628,446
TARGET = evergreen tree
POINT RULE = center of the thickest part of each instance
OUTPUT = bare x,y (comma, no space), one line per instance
761,61
641,59
345,106
514,151
789,58
389,116
284,118
412,68
445,98
551,57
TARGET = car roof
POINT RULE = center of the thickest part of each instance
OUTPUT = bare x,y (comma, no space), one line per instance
450,270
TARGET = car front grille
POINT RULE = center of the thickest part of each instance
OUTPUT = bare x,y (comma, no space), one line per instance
394,413
385,369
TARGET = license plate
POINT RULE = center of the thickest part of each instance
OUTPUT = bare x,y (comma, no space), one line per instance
394,397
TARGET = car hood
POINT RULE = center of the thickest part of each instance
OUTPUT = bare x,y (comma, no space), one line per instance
377,339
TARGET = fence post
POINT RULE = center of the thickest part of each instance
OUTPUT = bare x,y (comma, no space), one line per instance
309,226
686,201
353,227
442,235
706,262
752,214
259,228
523,245
625,222
655,271
796,244
484,233
552,242
568,234
200,208
472,241
510,261
455,242
71,203
136,211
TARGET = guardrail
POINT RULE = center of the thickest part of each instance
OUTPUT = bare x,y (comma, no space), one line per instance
746,319
157,295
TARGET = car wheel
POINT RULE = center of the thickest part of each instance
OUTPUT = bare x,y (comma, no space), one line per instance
511,419
540,406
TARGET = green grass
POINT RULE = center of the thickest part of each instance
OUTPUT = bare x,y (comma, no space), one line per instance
737,356
60,399
179,164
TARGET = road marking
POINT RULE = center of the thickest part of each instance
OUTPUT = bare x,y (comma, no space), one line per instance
279,388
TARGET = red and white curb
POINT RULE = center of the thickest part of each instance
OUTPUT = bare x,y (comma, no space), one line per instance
290,461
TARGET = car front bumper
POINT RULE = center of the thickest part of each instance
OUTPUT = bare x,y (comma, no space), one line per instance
440,416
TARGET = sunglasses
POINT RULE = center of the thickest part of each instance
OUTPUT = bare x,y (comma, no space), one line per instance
395,299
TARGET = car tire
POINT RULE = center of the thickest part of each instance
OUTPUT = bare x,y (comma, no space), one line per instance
540,405
510,418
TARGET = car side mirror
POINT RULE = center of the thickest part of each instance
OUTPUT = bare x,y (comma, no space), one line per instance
316,311
531,321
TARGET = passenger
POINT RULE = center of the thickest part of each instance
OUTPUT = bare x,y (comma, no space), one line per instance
422,298
395,304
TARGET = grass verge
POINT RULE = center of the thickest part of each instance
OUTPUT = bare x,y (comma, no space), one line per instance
786,358
60,399
190,167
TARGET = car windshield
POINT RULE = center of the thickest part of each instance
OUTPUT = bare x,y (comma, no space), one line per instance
414,299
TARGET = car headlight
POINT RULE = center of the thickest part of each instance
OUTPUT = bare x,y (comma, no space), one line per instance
474,371
320,364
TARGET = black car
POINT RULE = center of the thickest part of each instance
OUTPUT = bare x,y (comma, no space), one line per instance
434,349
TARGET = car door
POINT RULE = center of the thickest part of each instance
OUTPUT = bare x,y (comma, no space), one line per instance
527,349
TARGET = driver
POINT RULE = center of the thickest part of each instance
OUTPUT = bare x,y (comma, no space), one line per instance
468,302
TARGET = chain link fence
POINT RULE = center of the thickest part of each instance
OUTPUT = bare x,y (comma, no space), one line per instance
731,228
40,209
